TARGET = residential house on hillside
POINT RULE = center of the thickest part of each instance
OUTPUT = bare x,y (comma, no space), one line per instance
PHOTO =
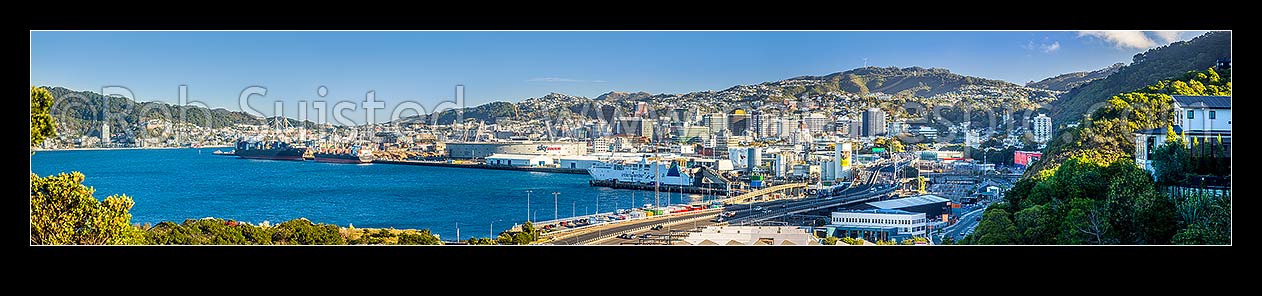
1201,117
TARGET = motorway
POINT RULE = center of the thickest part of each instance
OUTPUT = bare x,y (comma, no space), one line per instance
967,222
598,231
870,186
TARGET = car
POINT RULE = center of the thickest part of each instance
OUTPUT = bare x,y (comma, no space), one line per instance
625,236
719,219
758,208
658,227
646,235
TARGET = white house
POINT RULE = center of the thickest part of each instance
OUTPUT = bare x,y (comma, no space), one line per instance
1201,117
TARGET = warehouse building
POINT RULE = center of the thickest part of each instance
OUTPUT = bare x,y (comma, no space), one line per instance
929,204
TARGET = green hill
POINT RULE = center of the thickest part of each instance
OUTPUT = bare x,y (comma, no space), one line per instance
82,112
1153,65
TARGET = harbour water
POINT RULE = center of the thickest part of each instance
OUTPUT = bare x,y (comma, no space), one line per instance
179,184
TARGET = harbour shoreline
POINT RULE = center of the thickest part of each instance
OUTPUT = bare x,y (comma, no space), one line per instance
128,148
482,166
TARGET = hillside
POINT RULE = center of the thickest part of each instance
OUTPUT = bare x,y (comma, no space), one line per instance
912,81
1155,64
618,96
1065,82
80,113
855,89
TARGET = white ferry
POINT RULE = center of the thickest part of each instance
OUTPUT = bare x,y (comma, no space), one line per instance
643,171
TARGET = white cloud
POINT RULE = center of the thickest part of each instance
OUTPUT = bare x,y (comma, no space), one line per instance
553,79
1049,48
1044,47
1122,39
1166,36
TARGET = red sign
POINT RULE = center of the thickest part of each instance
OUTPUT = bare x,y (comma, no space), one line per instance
1026,157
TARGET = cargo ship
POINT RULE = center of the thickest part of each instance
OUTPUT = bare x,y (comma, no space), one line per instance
344,154
274,150
641,172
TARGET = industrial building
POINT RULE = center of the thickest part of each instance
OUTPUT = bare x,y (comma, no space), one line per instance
929,204
877,224
578,162
478,150
519,160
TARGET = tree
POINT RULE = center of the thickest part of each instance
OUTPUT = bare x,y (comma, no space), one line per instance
480,241
895,145
1036,225
63,212
302,232
1170,160
996,228
1206,220
851,241
1086,223
424,237
831,240
42,125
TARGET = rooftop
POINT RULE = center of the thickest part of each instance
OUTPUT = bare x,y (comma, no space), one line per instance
1223,102
879,211
908,201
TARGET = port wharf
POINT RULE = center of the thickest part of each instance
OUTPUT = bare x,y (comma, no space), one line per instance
483,166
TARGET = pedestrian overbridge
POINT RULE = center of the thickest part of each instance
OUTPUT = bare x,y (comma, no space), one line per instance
791,189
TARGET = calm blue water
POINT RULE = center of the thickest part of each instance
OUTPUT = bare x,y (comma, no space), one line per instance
178,184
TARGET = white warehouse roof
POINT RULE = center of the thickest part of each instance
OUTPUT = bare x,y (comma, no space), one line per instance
908,201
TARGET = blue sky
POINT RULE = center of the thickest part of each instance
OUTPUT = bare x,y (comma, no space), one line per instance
424,67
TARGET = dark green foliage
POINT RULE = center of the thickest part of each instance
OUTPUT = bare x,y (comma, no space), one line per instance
1205,220
1153,65
228,232
995,228
1037,225
302,232
1170,160
1085,200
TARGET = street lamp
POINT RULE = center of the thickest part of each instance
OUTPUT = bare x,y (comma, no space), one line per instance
528,212
555,212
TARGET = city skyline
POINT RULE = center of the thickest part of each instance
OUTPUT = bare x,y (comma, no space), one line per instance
425,66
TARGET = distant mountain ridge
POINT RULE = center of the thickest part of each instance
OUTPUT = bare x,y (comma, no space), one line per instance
1068,81
936,84
900,81
81,113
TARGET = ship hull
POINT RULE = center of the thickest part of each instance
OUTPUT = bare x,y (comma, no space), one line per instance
642,174
272,154
335,158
